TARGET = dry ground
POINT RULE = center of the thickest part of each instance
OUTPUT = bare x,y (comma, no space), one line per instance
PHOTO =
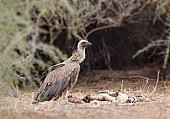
158,108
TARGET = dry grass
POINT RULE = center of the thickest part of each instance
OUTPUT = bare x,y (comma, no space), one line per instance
158,108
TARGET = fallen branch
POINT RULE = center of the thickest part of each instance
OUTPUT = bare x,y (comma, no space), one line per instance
155,87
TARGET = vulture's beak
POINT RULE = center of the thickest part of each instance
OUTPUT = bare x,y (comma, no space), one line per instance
89,44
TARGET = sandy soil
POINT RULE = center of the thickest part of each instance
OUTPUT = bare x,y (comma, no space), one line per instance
158,108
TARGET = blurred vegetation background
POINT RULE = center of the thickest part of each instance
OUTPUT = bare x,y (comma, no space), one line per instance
36,34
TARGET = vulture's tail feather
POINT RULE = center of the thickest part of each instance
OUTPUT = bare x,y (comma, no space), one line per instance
50,91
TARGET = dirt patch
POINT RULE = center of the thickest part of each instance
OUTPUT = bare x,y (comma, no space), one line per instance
157,108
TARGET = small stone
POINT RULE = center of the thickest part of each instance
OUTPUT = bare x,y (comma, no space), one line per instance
132,99
95,103
122,98
148,100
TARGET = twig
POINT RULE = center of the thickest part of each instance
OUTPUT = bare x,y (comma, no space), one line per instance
121,89
155,87
77,36
146,78
142,77
131,77
165,84
99,28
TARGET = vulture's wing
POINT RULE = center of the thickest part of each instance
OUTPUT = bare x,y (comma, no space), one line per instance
44,74
53,68
57,81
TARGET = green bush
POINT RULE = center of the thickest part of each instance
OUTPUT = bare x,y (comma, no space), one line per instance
21,43
162,14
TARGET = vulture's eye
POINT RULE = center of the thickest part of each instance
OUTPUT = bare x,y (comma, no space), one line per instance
84,44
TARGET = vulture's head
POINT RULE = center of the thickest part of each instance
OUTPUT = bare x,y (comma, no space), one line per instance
83,44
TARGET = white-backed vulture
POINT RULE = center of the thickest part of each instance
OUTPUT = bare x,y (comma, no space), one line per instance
63,77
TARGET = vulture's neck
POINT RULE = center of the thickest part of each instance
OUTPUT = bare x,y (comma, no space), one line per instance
77,56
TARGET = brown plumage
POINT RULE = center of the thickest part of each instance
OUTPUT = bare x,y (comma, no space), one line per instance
63,77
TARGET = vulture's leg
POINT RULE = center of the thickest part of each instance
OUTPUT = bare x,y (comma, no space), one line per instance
55,98
66,96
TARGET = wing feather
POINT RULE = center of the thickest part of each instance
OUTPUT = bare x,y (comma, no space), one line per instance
57,81
44,74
